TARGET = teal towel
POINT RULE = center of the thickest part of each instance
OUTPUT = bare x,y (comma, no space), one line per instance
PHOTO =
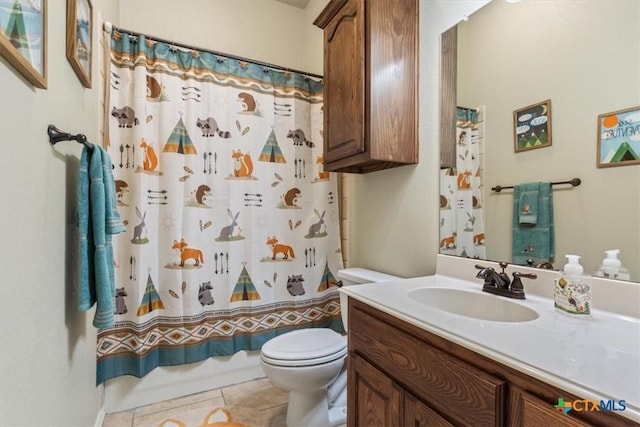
98,219
528,207
533,239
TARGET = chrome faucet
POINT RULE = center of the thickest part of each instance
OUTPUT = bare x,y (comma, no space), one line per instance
499,283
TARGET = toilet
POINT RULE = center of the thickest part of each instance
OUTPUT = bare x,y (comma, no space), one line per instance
309,364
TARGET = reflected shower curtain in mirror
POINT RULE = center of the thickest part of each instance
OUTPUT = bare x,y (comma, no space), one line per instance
232,226
461,201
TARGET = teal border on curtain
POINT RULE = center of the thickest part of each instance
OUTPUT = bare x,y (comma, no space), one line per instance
137,45
127,364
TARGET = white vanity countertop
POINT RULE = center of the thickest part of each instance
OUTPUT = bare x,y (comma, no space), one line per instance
596,357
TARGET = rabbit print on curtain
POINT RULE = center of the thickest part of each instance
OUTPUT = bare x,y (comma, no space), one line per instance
232,226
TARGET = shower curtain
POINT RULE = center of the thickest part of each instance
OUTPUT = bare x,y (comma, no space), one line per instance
232,226
461,200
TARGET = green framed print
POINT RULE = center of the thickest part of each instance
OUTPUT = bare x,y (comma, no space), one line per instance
619,138
532,126
79,38
23,38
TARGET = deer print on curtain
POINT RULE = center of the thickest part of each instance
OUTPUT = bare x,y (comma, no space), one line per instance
232,226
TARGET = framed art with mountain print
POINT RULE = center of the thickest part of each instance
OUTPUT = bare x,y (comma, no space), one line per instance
79,38
23,38
532,126
619,138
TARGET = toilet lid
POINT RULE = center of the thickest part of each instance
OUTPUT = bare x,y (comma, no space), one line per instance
304,347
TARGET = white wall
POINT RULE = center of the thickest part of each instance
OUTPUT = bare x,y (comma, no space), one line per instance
586,59
394,214
262,30
47,350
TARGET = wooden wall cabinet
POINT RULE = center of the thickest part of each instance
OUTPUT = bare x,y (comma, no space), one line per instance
370,84
399,374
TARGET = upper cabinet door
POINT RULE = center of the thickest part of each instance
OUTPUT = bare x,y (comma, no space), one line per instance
392,84
344,87
370,84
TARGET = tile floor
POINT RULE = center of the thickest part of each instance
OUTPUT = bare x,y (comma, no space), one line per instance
256,403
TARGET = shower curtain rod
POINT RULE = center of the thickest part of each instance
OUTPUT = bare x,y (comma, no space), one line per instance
109,27
575,182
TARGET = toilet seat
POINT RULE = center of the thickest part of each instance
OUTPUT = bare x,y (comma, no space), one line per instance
305,347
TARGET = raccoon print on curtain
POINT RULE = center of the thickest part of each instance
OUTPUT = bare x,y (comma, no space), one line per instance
461,199
232,226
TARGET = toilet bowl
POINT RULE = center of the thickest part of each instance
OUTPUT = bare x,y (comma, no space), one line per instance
309,364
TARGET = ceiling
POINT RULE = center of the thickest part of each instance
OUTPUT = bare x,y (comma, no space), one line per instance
297,3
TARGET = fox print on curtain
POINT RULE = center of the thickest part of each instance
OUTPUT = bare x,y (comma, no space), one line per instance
461,199
232,226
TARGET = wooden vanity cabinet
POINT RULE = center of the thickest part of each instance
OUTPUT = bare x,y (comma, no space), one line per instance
402,375
370,84
384,402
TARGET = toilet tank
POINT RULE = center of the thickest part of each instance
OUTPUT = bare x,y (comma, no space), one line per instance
358,276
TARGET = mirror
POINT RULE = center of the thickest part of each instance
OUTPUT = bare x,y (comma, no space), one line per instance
585,58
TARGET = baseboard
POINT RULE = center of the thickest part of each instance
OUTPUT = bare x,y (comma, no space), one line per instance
164,383
100,418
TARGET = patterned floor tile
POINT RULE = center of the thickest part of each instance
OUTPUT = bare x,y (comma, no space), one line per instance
178,402
192,415
257,394
119,419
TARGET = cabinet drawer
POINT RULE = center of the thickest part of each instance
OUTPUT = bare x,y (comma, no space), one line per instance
461,393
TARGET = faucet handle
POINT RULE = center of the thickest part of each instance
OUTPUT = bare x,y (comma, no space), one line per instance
516,284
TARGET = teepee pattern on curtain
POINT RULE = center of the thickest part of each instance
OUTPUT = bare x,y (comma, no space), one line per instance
232,226
461,199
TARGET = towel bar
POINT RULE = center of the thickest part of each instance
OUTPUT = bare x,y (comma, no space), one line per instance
575,182
56,135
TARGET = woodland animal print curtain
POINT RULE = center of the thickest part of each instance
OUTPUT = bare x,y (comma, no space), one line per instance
461,199
232,226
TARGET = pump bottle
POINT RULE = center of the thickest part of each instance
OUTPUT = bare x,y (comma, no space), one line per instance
570,293
612,267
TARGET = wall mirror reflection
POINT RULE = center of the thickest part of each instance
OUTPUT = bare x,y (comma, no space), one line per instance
585,58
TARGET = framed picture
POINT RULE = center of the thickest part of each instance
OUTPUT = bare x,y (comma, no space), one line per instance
619,138
79,38
23,38
532,126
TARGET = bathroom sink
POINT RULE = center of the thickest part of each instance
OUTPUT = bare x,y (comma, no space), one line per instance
473,304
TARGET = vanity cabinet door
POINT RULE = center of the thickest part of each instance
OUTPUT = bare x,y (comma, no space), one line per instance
370,84
373,398
418,414
528,411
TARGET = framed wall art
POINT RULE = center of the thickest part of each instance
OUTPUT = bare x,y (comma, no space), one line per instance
619,138
532,126
23,38
79,38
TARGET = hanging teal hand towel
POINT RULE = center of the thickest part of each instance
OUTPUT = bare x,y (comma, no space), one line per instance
98,220
533,235
528,203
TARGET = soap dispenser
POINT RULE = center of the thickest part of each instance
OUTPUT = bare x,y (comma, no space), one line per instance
612,267
573,267
571,294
